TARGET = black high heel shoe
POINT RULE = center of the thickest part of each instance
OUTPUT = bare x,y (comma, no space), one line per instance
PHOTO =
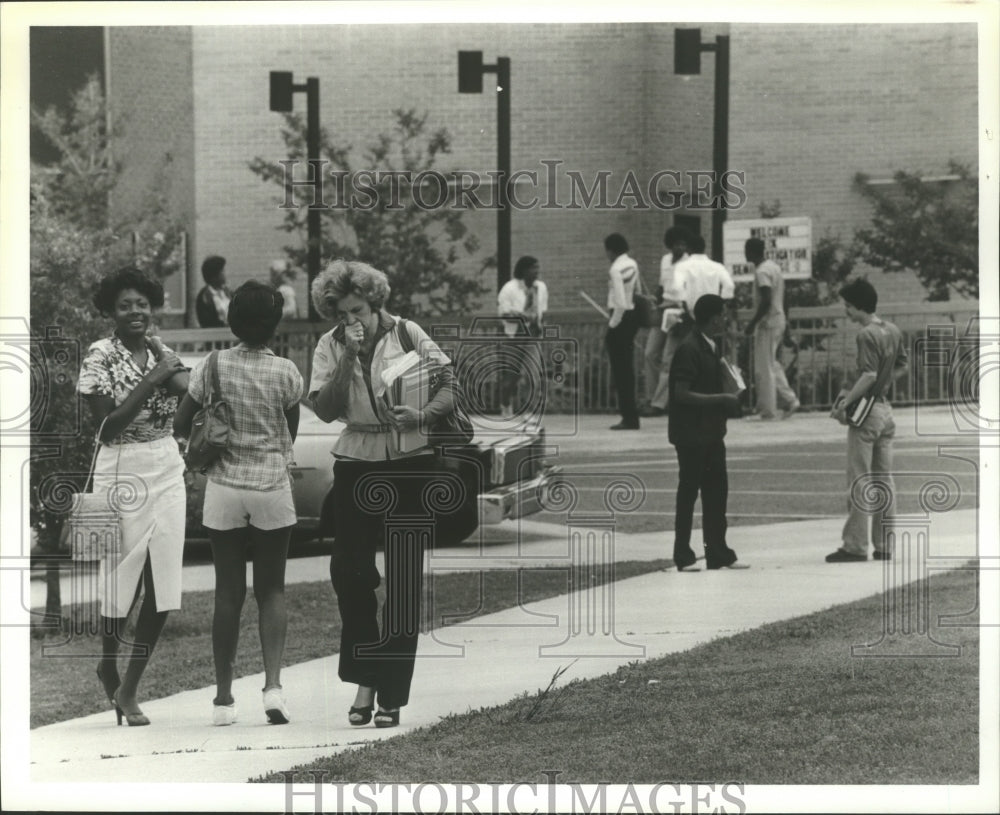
387,718
109,693
364,715
134,719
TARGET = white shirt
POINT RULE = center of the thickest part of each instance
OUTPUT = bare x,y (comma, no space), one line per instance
221,302
622,277
699,275
513,299
667,266
291,308
769,274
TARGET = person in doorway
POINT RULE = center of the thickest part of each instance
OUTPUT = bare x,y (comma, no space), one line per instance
212,304
767,327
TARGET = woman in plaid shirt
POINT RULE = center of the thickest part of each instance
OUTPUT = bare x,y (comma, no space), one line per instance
248,496
374,482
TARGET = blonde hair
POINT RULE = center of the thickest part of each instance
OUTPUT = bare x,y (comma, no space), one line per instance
344,277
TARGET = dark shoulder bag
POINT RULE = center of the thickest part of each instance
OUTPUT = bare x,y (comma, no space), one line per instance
210,426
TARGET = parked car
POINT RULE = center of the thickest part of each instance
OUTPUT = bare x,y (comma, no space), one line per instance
503,476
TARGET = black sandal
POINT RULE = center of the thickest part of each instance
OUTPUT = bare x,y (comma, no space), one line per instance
387,718
365,714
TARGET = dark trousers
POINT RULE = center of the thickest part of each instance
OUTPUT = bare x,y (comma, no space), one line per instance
702,468
370,500
622,357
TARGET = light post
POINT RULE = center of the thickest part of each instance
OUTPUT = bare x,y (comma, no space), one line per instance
470,80
687,60
282,90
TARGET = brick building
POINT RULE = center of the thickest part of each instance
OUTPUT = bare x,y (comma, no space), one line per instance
810,105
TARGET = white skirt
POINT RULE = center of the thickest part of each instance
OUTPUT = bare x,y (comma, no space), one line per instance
150,494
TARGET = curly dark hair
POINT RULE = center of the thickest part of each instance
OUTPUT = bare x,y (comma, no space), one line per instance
255,311
128,277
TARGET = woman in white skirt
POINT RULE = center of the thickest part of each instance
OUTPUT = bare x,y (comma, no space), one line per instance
131,383
248,497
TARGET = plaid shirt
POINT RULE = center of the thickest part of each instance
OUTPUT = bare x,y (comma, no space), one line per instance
259,388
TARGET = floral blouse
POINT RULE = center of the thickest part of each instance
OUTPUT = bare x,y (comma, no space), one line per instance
108,369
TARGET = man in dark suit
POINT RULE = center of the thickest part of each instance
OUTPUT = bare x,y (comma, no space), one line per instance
698,407
212,303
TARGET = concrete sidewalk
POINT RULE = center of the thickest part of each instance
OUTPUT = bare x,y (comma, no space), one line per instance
492,659
589,433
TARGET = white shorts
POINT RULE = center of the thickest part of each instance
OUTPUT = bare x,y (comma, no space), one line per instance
233,508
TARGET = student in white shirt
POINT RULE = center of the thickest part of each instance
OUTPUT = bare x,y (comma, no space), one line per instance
698,275
623,325
662,341
524,298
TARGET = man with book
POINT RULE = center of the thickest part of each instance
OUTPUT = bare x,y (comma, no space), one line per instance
704,393
881,359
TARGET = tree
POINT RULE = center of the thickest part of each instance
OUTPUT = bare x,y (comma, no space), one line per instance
73,242
415,246
929,227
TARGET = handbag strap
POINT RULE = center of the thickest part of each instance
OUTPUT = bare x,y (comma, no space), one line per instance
93,458
403,334
212,374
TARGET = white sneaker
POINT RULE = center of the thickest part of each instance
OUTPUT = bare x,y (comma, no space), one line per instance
274,706
791,409
223,714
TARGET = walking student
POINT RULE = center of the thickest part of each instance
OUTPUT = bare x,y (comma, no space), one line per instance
131,382
882,358
767,327
623,325
662,341
698,409
248,495
370,466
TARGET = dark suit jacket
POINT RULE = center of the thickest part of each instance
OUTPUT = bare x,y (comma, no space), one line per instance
204,310
696,364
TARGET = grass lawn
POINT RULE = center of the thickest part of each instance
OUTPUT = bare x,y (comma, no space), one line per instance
64,684
782,704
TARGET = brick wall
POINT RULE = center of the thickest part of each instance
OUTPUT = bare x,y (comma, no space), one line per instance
809,106
830,101
149,88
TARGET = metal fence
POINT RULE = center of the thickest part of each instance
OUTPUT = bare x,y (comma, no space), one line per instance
820,360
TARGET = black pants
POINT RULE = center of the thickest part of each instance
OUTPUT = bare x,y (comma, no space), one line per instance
622,357
702,468
371,500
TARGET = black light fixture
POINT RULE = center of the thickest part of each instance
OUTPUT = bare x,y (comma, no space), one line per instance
688,48
470,80
282,93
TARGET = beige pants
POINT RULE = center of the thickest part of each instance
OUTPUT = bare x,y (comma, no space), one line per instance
769,375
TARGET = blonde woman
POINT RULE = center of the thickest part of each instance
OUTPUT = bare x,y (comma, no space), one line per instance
347,367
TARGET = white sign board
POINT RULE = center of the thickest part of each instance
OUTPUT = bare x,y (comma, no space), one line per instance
787,241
